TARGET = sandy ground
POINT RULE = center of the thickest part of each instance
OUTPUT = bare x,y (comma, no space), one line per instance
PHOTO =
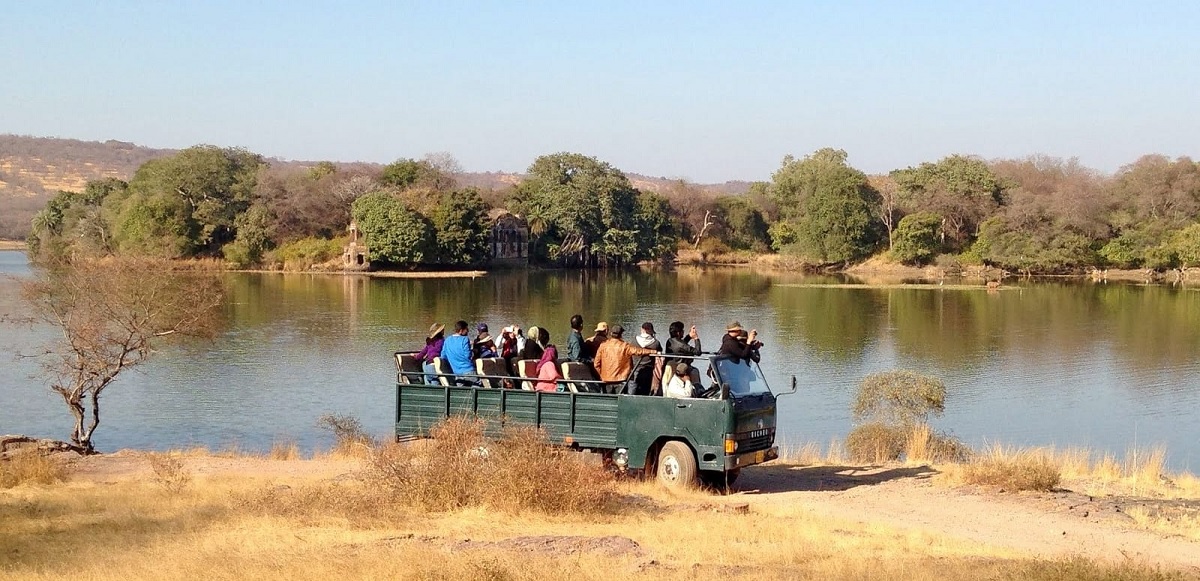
1057,524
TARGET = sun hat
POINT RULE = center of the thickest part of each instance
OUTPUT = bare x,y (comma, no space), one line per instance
483,338
436,328
601,326
735,326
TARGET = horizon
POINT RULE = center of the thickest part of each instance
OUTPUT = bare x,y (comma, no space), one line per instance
710,93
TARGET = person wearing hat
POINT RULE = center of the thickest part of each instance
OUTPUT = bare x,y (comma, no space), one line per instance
614,359
433,348
681,381
485,346
733,346
591,344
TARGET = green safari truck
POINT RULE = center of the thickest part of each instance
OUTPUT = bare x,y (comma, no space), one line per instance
681,441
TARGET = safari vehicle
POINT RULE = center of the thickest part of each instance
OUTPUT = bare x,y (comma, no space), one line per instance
681,441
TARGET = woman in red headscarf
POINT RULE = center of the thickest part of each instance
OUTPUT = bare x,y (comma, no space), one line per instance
547,370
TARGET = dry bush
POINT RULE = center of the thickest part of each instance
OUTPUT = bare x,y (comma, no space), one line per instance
31,468
169,471
923,445
1082,569
875,442
285,450
350,439
461,467
1013,469
1146,468
899,398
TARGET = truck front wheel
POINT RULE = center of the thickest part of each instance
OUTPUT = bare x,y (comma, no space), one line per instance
676,465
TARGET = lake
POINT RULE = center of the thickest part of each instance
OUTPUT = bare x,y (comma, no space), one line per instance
1107,366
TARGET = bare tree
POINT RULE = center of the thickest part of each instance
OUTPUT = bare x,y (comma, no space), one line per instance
110,315
889,202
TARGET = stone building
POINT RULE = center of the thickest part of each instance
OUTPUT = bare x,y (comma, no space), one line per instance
354,254
509,239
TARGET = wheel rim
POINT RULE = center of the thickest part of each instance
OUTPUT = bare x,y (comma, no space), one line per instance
670,469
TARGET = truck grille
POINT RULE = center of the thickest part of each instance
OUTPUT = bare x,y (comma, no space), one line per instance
756,440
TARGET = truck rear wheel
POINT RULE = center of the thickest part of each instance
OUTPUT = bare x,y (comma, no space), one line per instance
676,465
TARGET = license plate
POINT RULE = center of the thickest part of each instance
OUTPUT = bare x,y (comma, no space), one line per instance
760,456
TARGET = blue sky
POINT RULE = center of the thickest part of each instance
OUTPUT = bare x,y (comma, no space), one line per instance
709,91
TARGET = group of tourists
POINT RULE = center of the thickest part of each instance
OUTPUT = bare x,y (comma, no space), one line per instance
622,366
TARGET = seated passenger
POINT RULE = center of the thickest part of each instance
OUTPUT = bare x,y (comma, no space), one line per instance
432,350
681,383
533,344
547,370
575,339
485,346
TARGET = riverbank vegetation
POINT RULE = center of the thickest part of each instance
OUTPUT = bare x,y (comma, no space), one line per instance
1034,215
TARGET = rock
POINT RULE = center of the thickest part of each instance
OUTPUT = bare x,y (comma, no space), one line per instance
12,445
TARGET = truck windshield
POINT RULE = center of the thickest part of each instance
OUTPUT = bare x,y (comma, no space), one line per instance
743,379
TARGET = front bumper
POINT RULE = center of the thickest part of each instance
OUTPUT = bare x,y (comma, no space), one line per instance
735,461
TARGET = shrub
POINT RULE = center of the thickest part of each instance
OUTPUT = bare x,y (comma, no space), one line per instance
1013,470
305,253
169,471
30,468
349,436
285,450
899,398
875,442
922,444
916,238
460,468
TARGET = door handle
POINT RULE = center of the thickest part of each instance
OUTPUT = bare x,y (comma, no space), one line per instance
683,405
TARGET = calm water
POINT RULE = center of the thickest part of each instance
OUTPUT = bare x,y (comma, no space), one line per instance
1104,366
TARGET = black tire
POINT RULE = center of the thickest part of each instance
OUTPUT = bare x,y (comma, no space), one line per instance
676,465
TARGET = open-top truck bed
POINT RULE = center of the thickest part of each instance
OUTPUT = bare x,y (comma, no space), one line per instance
678,439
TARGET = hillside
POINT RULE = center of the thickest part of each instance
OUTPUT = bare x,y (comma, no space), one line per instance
32,169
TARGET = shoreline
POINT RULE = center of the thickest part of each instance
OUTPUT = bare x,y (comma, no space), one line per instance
13,245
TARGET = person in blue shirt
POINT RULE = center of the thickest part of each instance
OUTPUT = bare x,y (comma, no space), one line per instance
458,354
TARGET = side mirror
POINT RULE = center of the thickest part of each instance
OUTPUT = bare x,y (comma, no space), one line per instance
793,390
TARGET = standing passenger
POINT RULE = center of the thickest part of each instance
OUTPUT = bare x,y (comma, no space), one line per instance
575,339
457,352
732,346
647,367
614,360
433,348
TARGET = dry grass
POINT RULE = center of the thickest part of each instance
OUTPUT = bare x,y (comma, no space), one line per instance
875,443
461,467
284,450
317,529
169,471
31,468
1011,469
922,445
350,439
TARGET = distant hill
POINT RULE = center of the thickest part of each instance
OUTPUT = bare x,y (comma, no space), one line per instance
33,169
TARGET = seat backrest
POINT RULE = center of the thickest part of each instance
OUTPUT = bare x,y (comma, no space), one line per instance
527,368
407,363
443,369
490,366
575,371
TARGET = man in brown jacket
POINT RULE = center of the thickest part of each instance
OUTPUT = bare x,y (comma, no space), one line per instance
614,359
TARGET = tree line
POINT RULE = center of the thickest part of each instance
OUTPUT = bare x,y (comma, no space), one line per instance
1032,215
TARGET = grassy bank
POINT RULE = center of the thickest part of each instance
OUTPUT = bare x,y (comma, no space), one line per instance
284,523
12,245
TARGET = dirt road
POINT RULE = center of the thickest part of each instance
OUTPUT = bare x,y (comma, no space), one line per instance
1053,524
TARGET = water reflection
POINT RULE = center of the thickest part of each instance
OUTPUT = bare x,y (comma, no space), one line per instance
1042,363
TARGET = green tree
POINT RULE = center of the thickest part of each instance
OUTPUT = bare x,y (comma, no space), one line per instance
656,231
829,204
395,235
916,238
1187,246
584,208
185,204
962,189
460,224
1045,249
253,237
742,225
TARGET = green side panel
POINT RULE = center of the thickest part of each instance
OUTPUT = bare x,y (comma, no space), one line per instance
596,419
705,423
644,420
419,408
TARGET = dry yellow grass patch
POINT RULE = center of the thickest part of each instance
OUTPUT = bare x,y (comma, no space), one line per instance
318,529
1011,469
284,450
31,468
